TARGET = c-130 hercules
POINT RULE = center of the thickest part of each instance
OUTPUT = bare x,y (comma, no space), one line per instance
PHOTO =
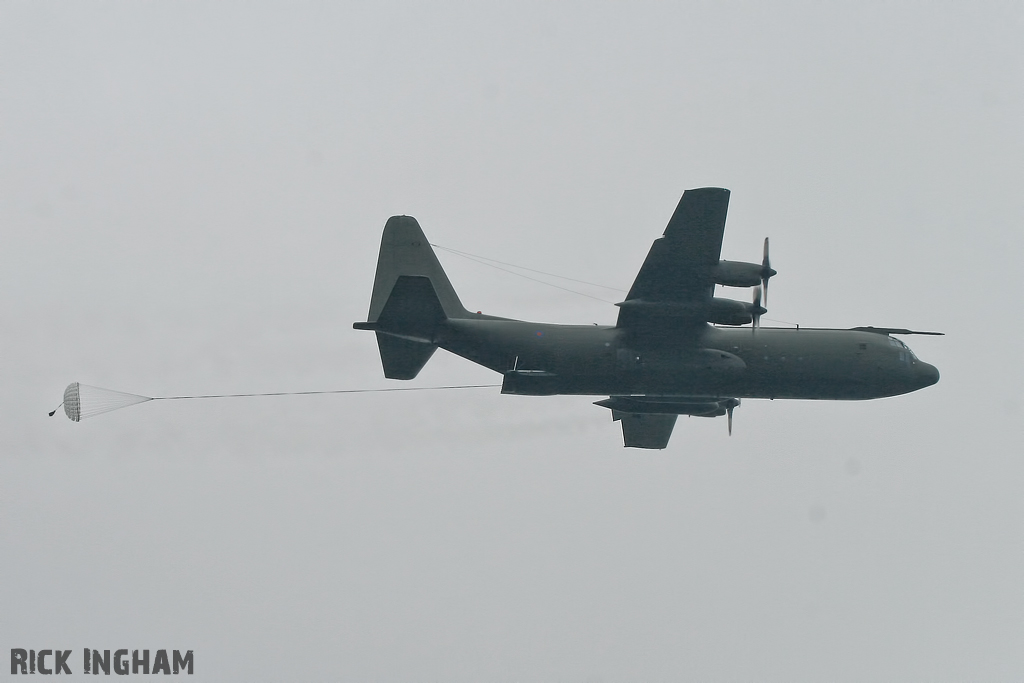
676,349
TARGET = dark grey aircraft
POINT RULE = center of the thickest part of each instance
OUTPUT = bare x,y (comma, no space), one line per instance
676,349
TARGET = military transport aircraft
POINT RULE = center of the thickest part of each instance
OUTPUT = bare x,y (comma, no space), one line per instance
676,349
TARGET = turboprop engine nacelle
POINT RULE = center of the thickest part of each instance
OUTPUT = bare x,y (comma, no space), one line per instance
668,405
738,274
732,312
718,310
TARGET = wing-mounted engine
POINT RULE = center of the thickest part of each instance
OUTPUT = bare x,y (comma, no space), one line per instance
647,421
665,405
718,310
732,312
737,274
743,274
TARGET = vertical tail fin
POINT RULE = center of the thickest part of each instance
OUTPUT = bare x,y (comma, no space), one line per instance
411,297
404,250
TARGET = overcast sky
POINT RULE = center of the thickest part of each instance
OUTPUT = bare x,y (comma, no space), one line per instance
191,201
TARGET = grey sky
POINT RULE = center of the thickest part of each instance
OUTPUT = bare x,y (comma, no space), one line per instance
191,200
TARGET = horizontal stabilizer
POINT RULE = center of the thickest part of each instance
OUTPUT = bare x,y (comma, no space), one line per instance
402,358
406,327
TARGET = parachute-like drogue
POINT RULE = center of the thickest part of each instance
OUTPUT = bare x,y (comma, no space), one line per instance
82,401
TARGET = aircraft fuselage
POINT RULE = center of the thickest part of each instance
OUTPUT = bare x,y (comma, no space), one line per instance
546,359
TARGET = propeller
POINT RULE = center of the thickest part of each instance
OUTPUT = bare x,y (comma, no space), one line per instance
731,405
756,310
766,270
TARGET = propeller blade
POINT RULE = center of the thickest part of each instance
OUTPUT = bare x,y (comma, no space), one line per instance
766,271
729,412
757,310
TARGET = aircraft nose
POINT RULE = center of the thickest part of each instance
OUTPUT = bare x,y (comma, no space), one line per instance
929,374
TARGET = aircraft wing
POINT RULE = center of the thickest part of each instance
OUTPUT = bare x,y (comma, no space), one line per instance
645,430
647,421
678,274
